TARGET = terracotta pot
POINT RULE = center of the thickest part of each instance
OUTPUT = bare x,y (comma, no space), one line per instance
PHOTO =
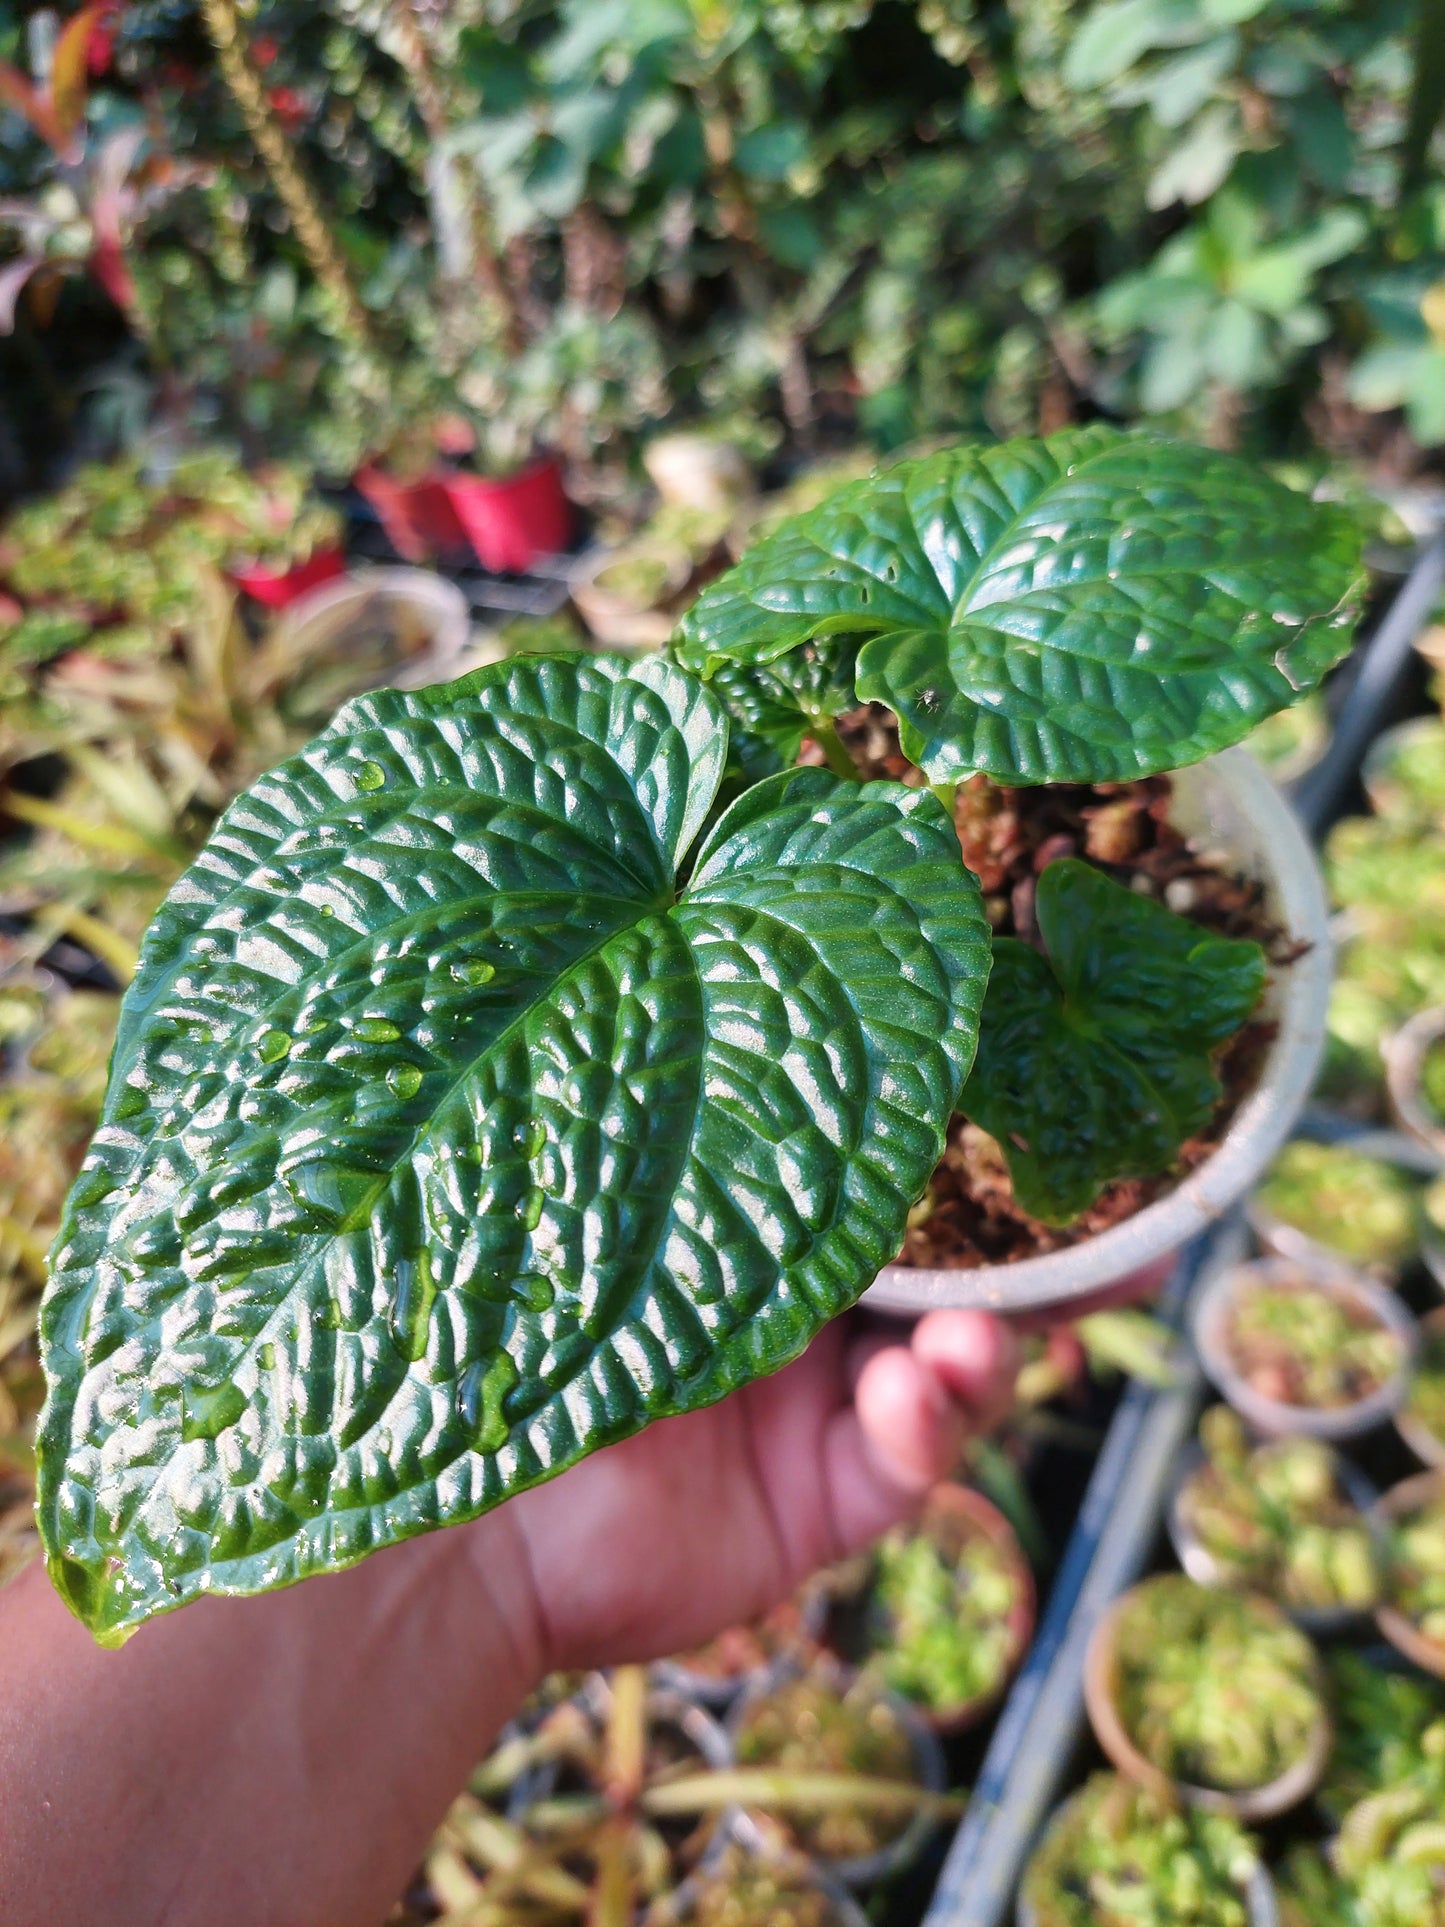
947,1505
279,588
1272,1417
1401,1631
511,523
417,516
1228,804
1295,1784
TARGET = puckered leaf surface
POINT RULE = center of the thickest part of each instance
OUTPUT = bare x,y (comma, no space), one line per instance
1087,608
1095,1062
447,1139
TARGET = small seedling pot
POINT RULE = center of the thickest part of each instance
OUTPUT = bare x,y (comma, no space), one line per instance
1417,1435
1271,1417
619,621
949,1504
279,588
1259,1899
1203,1568
1278,1239
416,516
1226,804
717,1691
697,471
1405,1053
930,1768
1381,786
515,521
682,1904
427,614
1401,1631
1253,1804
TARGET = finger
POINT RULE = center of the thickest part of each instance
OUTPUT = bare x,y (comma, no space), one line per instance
974,1356
902,1433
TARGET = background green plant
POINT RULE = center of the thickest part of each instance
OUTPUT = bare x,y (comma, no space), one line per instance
894,217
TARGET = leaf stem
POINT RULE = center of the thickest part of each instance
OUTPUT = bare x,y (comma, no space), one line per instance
834,754
807,1792
947,794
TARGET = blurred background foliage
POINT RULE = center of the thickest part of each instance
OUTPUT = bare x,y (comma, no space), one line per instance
311,224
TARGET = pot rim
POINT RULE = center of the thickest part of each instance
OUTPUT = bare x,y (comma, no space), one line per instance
1270,1417
1261,1125
1401,1631
1258,1890
1288,1789
1200,1564
442,601
1404,1053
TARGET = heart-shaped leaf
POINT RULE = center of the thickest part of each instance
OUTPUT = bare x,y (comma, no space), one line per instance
447,1140
1088,608
1095,1062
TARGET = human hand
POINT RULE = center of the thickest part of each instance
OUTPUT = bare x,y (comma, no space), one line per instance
658,1543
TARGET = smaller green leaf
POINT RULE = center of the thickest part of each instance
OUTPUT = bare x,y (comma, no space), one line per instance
1095,1061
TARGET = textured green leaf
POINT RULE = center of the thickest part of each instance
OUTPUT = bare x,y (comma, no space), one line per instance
1094,1062
1088,608
774,706
447,1140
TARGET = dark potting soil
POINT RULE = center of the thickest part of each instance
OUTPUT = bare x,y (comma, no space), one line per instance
1008,837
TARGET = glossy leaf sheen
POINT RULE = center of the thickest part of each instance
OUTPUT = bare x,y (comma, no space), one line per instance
1095,1062
445,1141
1088,608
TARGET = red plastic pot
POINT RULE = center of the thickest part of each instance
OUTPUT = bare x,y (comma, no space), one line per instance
512,522
278,588
418,516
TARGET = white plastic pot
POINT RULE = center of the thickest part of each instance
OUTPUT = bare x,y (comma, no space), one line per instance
427,615
1405,1053
1229,805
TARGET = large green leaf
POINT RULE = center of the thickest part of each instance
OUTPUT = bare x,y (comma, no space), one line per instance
1088,608
1095,1062
446,1140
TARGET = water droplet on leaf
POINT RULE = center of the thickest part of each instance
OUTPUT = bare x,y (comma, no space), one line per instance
266,1357
370,776
530,1137
376,1030
206,1412
531,1211
474,970
405,1080
274,1046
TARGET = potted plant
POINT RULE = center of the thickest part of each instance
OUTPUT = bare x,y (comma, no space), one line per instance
954,1604
1385,1867
1421,1420
893,593
814,956
1404,771
1296,1347
735,1888
864,1745
1412,1615
1287,1518
1212,1694
627,595
1389,1725
1326,1200
1121,1855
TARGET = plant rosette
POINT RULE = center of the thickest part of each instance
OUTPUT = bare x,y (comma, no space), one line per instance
953,1606
1291,1519
1415,1077
747,1658
1212,1696
737,1888
1389,1721
1421,1419
541,1054
1117,1854
1412,1616
1299,1347
623,594
813,1732
1403,772
1386,1865
1330,1202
